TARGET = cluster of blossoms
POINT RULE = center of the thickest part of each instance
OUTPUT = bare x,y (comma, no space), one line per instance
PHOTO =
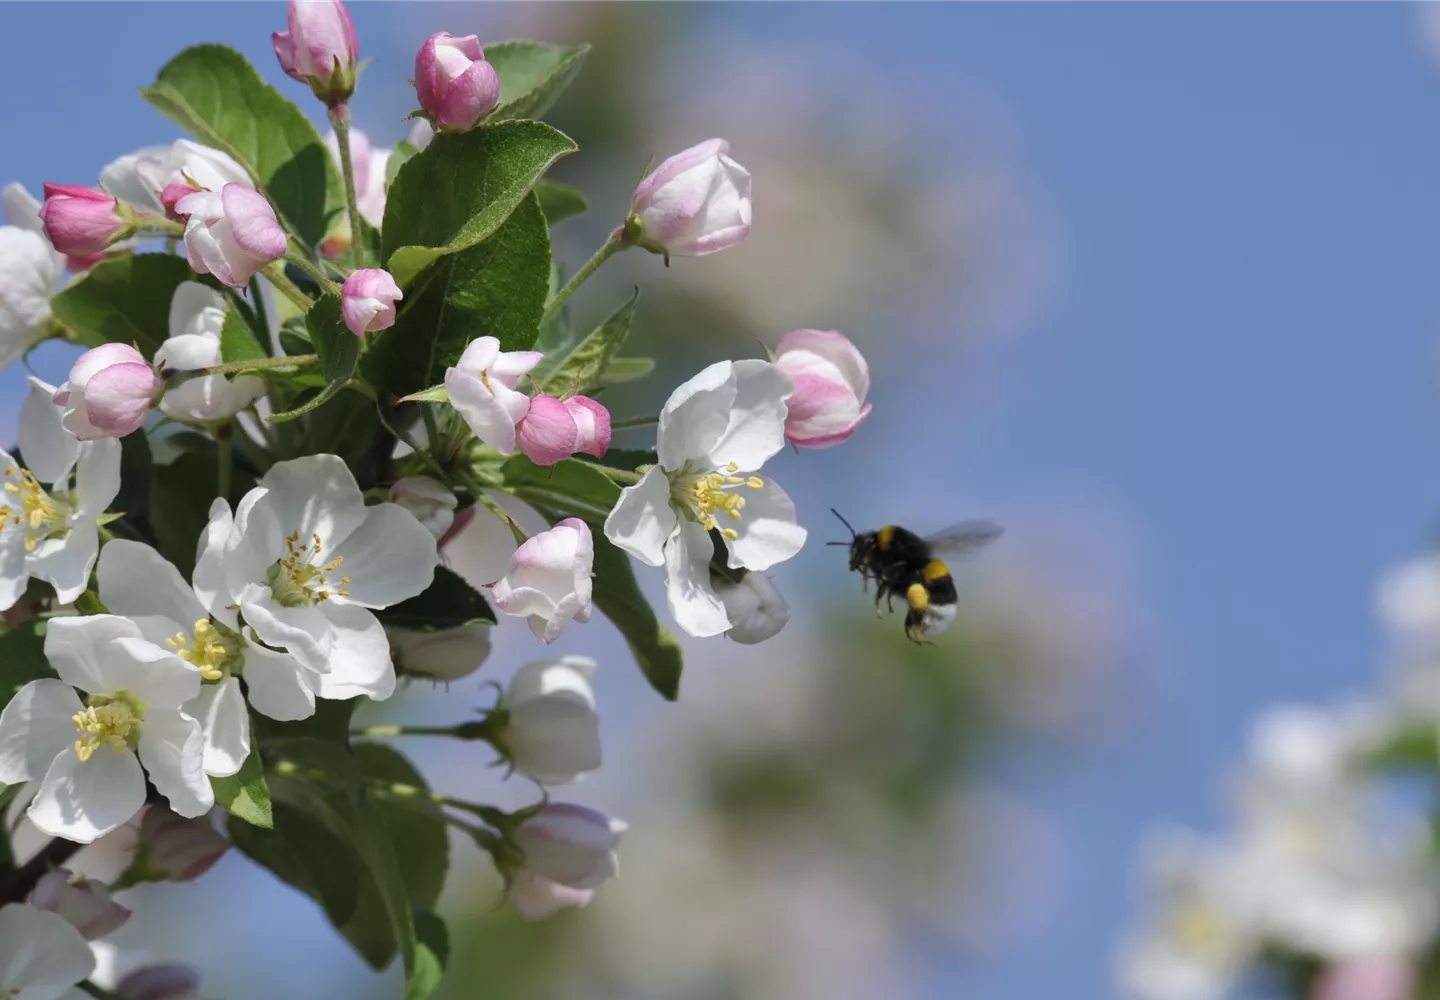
188,641
1325,886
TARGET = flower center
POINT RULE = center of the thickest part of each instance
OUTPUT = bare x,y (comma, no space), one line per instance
296,580
216,651
111,720
1202,931
708,496
31,509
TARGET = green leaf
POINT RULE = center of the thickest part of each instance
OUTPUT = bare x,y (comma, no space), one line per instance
625,370
461,188
432,954
449,602
532,75
238,341
346,427
216,96
337,347
124,300
577,487
399,156
559,201
584,365
136,471
22,658
416,830
245,794
295,336
434,394
329,724
180,498
494,289
629,459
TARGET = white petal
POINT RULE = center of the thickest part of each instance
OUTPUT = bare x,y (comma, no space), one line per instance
130,178
97,477
35,728
85,801
209,574
693,602
303,631
643,519
49,449
136,580
172,748
21,208
255,543
360,659
389,558
65,563
14,573
156,676
767,530
491,412
77,647
696,415
276,685
197,310
41,954
757,420
220,710
315,495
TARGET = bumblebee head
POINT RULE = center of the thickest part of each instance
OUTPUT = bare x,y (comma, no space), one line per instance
862,544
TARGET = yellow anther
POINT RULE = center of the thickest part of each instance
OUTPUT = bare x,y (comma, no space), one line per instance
42,515
732,467
730,533
208,652
734,515
755,483
297,579
111,721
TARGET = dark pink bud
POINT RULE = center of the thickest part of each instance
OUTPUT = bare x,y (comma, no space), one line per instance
320,48
455,84
592,424
546,434
172,194
79,220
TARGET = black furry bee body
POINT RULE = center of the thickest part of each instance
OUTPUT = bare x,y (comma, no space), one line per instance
903,564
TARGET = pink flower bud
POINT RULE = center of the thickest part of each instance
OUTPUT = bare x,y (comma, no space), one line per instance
536,898
546,434
571,845
79,220
231,233
455,84
592,425
368,300
693,204
482,386
831,382
166,981
110,391
183,848
320,48
84,903
170,197
1382,977
549,579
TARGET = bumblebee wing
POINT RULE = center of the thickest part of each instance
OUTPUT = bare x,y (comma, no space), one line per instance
964,538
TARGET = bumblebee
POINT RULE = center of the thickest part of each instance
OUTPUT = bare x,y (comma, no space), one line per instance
903,564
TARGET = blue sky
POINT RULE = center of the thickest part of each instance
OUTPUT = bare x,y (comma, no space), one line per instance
1236,371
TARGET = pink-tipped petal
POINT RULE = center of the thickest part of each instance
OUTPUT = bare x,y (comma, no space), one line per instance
252,221
118,398
547,434
592,425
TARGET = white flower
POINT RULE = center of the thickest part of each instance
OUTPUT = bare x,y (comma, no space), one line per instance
536,898
141,177
571,845
197,312
41,956
549,579
84,902
431,501
552,733
51,533
755,608
87,752
137,582
445,655
304,562
482,387
30,272
715,432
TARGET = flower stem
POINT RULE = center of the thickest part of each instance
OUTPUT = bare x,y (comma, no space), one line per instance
288,288
235,367
612,246
326,285
340,122
383,731
620,475
630,423
154,225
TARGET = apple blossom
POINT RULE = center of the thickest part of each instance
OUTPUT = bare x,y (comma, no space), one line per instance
110,392
715,432
454,83
592,425
549,579
304,561
831,381
536,898
153,179
42,957
547,433
695,203
570,845
441,655
82,901
86,752
30,272
431,501
51,534
755,608
79,220
482,387
181,848
421,133
197,314
551,732
370,165
320,48
368,300
232,233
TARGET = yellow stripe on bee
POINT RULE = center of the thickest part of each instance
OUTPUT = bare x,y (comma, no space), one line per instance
918,596
886,535
934,570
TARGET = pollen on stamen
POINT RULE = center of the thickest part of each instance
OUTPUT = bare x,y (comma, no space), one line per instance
730,534
755,483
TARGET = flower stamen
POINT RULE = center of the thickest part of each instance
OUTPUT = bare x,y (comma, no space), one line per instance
40,515
296,581
208,651
112,721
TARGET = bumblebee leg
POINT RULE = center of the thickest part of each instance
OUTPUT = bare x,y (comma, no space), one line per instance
915,628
